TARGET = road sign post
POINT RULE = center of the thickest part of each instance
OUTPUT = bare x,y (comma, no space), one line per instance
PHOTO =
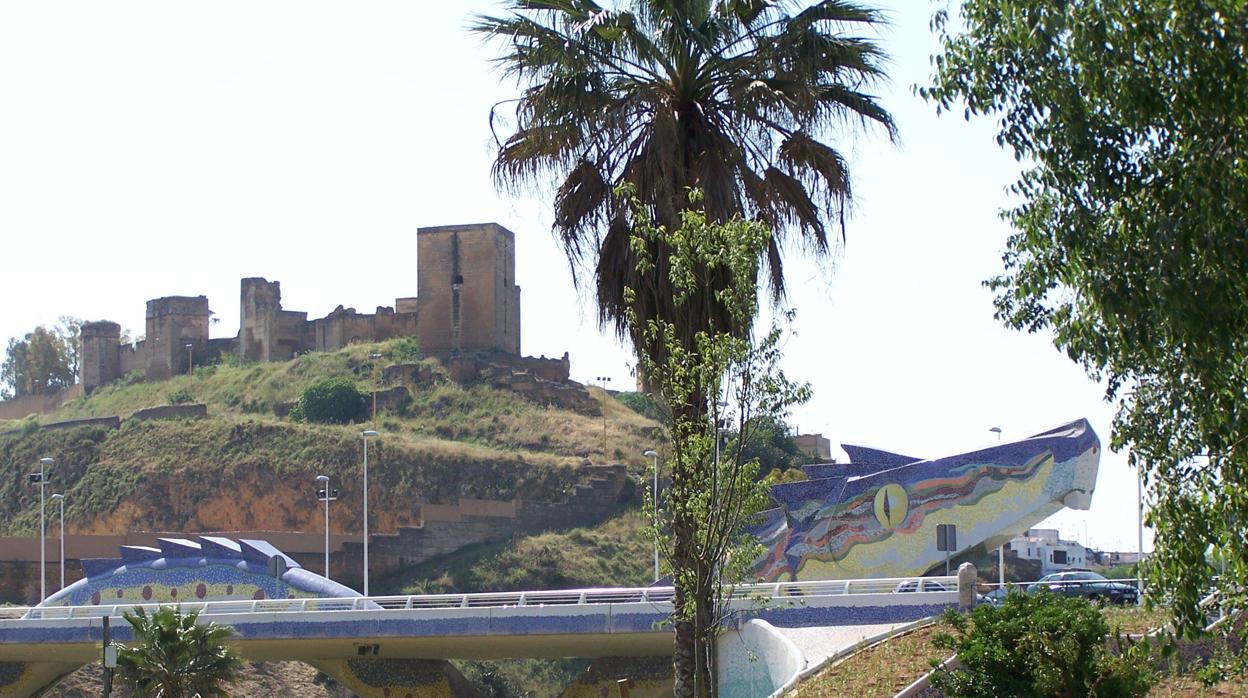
946,541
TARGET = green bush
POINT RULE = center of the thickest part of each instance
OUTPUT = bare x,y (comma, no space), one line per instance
1039,646
405,351
643,404
180,396
332,401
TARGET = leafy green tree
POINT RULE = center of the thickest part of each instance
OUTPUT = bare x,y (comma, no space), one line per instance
770,442
645,405
731,98
712,496
173,656
1039,646
42,362
1130,238
331,401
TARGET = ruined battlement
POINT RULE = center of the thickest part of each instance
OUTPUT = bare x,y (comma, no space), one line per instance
178,305
467,301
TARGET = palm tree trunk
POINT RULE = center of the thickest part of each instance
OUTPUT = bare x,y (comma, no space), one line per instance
685,654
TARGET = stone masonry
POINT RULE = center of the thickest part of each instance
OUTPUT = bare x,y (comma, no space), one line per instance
467,302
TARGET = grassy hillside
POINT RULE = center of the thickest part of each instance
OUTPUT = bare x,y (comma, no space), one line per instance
614,553
246,468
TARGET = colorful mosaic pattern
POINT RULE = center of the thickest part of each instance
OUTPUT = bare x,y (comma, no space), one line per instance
878,517
209,569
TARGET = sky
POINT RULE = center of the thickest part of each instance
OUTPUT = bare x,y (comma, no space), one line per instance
161,147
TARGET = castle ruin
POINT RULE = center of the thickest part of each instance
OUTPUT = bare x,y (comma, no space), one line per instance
467,302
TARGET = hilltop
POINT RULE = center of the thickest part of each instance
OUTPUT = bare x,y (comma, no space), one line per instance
245,467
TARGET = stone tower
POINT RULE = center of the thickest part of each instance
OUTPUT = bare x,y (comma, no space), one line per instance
172,323
466,289
100,347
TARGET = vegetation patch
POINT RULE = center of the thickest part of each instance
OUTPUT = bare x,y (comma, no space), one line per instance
614,553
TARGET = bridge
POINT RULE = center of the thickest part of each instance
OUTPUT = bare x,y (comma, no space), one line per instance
333,633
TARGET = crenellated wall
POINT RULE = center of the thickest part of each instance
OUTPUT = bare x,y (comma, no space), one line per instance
467,303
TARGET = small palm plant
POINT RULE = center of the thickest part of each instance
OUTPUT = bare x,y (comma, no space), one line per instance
175,657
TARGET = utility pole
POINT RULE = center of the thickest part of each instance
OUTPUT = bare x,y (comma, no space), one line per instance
110,661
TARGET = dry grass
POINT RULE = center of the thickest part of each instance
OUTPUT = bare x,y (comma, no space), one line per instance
879,671
1188,687
472,421
886,668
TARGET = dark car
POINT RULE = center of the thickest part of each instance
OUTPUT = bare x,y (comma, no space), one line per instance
1087,584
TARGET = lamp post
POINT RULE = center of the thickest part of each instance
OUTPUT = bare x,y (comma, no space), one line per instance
40,478
604,380
327,495
1139,555
374,356
60,499
367,435
718,429
654,456
1001,548
189,352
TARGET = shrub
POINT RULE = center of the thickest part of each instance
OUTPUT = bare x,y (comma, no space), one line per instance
1037,646
332,400
643,404
405,351
180,396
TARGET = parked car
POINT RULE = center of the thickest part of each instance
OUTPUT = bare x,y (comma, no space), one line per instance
912,586
1087,584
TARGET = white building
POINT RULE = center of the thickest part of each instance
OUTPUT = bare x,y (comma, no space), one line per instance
1054,554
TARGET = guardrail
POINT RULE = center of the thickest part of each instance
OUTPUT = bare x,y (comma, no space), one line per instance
744,593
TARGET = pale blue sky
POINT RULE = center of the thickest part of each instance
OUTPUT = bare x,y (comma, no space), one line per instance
170,148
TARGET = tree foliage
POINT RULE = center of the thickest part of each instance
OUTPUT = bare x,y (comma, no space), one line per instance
42,362
732,98
702,532
331,401
1039,646
173,656
1130,237
770,442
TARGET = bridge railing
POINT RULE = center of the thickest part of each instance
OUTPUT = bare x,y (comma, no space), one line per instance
740,594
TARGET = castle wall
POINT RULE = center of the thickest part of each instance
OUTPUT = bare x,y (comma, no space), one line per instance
172,323
99,359
21,407
467,301
466,286
346,326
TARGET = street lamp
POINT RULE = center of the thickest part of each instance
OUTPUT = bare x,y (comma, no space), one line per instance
1001,549
189,349
604,380
718,429
367,435
60,498
327,495
654,456
40,478
374,356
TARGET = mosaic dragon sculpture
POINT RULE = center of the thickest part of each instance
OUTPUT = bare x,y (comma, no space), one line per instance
876,516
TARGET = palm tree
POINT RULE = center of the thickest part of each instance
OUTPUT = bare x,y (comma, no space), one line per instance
730,97
726,97
173,656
